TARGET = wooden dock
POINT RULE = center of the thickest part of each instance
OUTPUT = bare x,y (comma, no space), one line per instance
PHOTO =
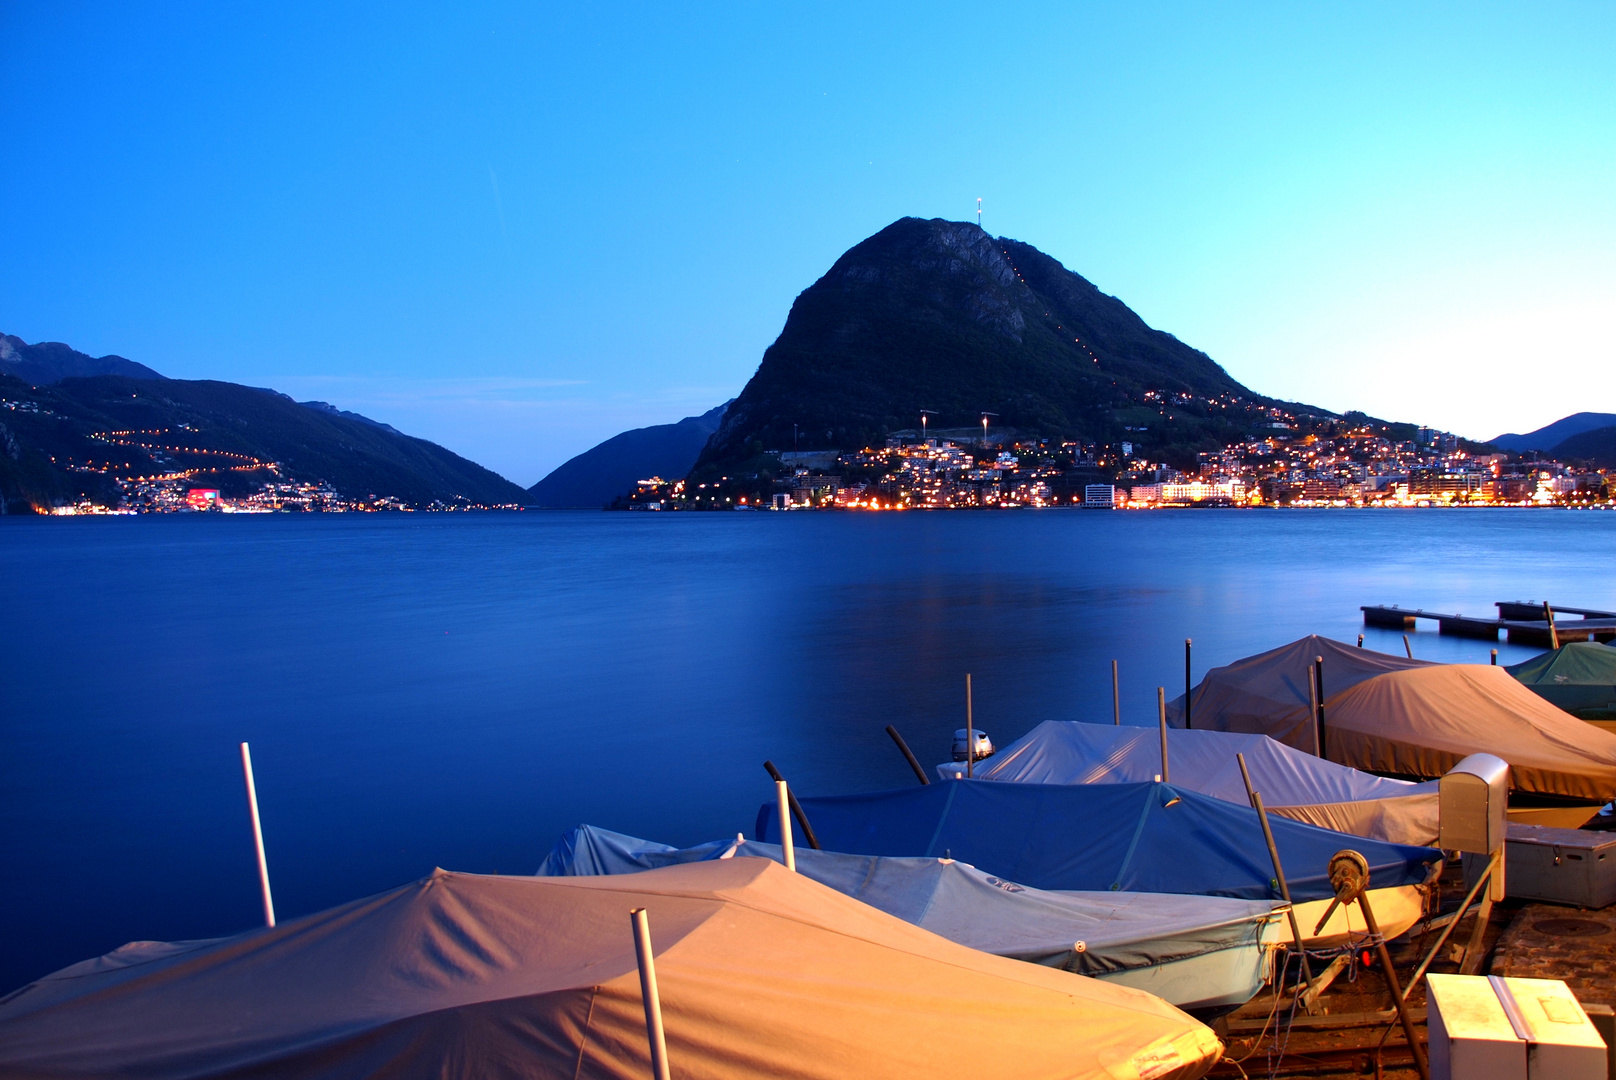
1521,622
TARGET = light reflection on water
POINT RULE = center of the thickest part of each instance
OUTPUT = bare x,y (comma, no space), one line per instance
455,690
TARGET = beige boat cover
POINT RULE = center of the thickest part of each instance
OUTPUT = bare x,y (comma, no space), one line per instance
1421,721
763,973
1268,694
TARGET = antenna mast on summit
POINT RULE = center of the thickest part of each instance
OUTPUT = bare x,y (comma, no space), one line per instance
979,213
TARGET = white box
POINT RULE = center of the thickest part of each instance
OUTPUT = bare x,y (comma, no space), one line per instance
1496,1028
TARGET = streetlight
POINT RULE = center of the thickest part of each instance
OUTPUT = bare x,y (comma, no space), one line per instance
985,415
923,414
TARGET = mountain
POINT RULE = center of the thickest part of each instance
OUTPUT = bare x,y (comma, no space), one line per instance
327,407
50,362
67,441
940,316
1552,435
600,474
1597,447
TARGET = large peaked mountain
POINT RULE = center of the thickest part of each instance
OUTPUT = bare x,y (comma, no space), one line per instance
940,316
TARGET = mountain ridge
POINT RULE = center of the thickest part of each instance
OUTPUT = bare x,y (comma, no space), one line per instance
1549,436
610,468
46,362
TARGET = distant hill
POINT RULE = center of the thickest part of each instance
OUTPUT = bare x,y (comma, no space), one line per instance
1598,447
327,407
50,362
1552,435
50,435
940,316
602,473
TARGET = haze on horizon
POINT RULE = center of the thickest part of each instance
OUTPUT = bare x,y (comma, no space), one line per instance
519,230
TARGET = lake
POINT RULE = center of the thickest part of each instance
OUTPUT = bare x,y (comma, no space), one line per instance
455,690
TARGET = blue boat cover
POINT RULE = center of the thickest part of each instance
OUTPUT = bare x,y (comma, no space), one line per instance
1293,783
1100,837
1089,933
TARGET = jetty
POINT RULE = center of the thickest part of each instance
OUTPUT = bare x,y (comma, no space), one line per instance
1522,622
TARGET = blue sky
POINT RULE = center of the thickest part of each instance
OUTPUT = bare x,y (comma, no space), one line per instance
517,229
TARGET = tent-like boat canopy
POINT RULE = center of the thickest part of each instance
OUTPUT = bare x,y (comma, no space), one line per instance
1104,934
763,973
1293,783
1097,837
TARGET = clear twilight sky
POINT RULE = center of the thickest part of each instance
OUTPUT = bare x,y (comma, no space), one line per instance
517,229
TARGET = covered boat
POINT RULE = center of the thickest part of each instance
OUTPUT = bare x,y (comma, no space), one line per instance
1294,784
1203,954
1268,694
1100,837
763,973
1579,678
1421,722
1387,714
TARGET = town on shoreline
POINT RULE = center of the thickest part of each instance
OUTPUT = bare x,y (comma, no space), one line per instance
1296,461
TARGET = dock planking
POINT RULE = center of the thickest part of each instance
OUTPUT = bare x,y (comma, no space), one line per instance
1521,622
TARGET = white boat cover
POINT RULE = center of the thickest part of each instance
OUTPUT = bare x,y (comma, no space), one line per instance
763,973
1421,722
1268,694
1091,933
1292,783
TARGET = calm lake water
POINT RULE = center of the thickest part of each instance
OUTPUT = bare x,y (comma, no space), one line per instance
455,690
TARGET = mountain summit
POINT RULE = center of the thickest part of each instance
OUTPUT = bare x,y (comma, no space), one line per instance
940,316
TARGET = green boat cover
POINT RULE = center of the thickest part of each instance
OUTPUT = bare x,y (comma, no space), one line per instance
1580,678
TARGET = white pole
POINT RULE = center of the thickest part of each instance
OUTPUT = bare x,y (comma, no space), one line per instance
786,848
1161,713
258,835
648,992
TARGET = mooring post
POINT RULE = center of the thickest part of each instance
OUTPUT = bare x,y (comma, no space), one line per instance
782,795
648,993
1187,723
1116,697
1161,713
1313,707
970,731
1495,658
796,807
258,836
1360,641
908,756
1279,873
1318,679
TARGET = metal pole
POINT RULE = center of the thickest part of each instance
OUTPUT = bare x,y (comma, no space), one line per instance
1318,678
1453,925
1409,649
258,835
648,993
796,808
1187,723
1313,707
1116,697
1385,959
1554,635
1279,871
907,756
1161,714
782,795
970,730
